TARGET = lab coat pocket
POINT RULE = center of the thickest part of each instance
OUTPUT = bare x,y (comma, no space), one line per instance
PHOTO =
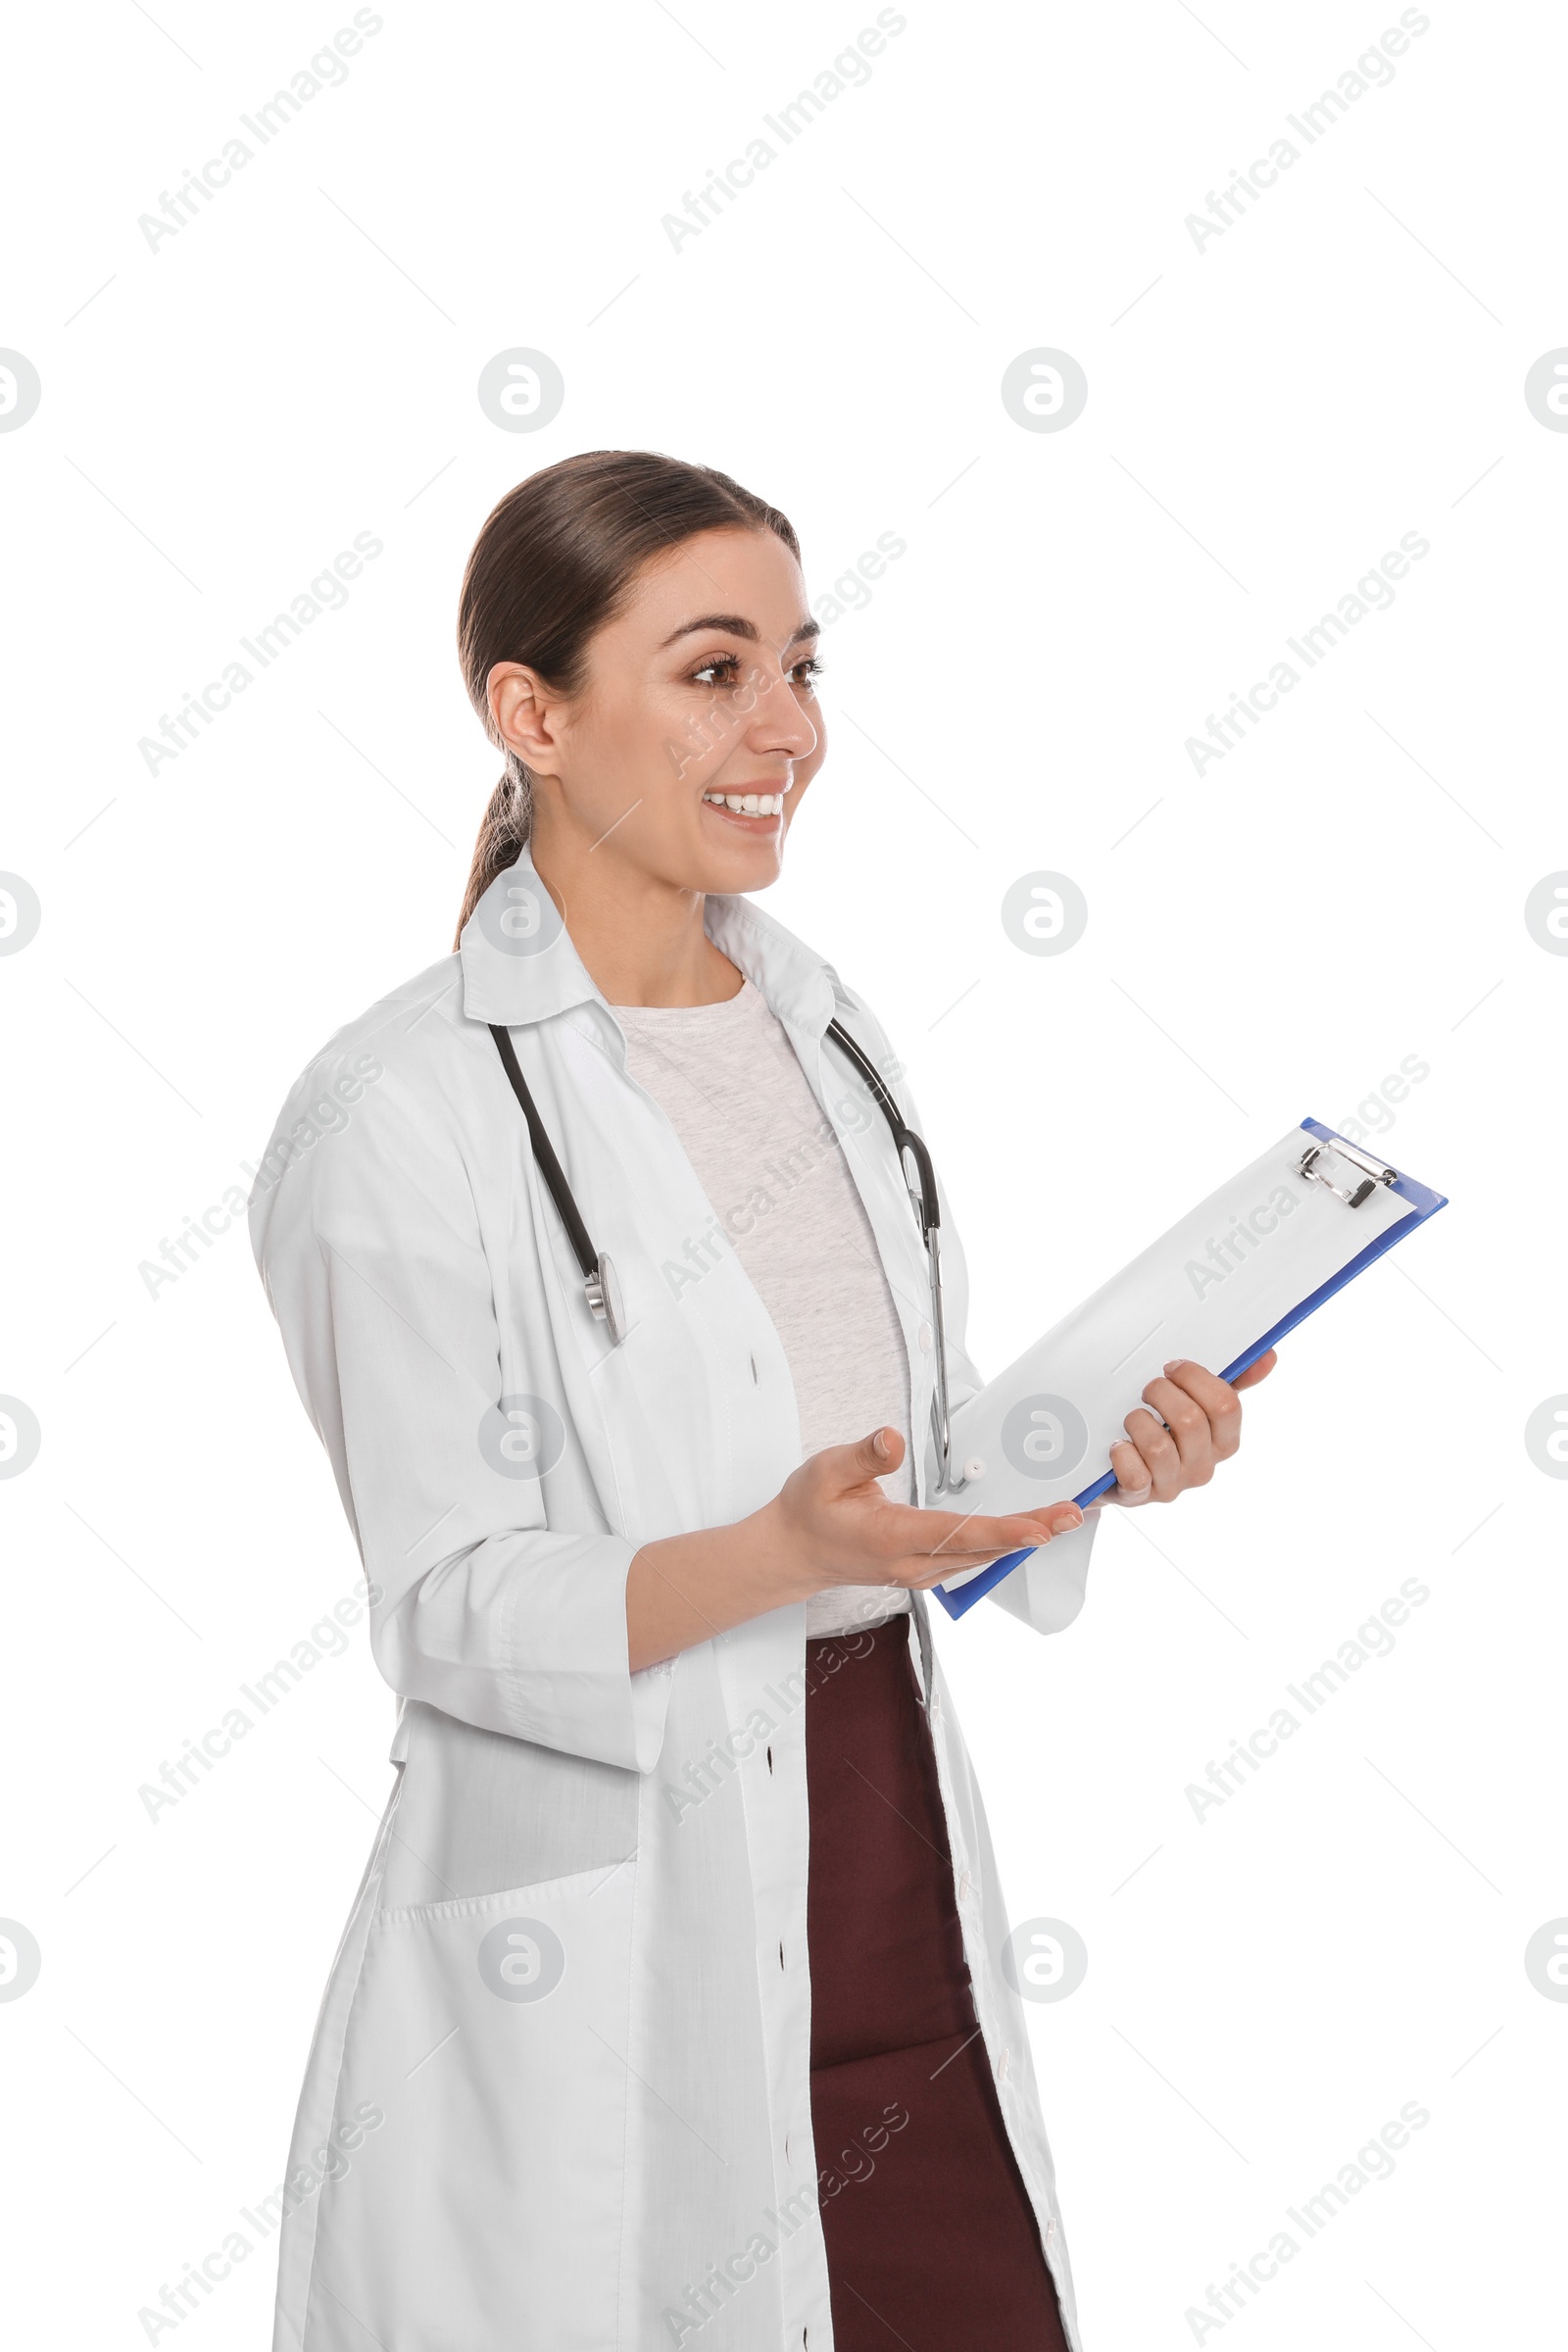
490,2031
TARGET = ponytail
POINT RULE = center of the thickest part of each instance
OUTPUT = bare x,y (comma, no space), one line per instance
504,833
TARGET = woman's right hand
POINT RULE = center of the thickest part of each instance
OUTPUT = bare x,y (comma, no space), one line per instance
832,1523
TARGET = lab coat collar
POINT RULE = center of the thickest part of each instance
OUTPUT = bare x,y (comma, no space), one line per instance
520,965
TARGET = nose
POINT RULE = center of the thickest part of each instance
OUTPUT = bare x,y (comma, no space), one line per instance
779,724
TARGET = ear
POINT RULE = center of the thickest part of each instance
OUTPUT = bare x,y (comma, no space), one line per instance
525,715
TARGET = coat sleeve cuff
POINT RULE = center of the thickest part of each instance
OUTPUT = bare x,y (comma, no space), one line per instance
1047,1592
526,1634
564,1673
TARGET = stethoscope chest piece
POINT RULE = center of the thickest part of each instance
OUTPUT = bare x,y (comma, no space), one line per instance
602,1289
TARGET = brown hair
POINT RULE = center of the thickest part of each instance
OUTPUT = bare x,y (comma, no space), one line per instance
555,559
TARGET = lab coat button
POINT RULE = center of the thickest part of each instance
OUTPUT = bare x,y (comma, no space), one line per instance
923,1335
974,1468
964,1885
1003,2064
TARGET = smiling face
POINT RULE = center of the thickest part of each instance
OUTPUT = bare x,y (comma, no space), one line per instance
689,749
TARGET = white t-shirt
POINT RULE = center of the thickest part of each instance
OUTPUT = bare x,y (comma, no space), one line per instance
766,1155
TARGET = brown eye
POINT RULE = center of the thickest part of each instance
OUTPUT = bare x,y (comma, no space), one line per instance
707,674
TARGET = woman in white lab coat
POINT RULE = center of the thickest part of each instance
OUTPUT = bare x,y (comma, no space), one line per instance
671,2010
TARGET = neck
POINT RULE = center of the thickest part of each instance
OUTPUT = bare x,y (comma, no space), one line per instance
640,939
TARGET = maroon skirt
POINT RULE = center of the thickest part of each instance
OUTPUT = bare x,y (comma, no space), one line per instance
931,2240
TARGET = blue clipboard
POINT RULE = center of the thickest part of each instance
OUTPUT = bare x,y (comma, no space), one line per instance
1424,1203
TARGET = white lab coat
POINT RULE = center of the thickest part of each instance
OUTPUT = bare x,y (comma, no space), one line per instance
560,2092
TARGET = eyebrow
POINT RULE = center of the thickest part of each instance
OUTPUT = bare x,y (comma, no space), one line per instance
737,625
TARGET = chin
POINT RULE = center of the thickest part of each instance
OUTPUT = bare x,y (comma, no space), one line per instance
730,860
744,869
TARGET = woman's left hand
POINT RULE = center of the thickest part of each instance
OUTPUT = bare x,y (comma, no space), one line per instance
1196,1421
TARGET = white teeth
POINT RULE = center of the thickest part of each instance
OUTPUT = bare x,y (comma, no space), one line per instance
749,803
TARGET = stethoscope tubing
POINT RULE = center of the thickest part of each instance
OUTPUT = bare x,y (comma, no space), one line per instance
599,1284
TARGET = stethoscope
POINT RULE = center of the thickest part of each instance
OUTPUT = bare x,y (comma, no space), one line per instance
602,1291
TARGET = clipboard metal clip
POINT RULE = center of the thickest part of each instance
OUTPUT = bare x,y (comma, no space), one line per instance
1373,1171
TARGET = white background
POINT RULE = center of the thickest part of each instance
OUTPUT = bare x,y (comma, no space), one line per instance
1266,416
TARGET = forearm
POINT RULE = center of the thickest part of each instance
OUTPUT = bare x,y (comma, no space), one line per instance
685,1589
830,1523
